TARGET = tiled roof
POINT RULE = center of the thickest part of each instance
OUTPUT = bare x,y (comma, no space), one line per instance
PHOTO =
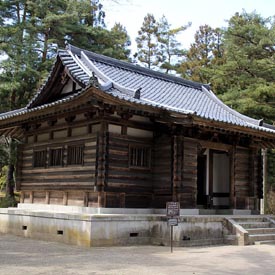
26,110
156,89
143,86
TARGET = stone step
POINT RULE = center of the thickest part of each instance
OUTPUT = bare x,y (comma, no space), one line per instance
265,242
261,237
249,219
248,224
253,231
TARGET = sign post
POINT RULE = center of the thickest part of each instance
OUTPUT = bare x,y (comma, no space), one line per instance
172,213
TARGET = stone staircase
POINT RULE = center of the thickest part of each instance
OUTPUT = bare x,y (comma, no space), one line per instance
260,230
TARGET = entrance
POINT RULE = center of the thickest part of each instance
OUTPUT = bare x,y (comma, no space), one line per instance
201,181
213,180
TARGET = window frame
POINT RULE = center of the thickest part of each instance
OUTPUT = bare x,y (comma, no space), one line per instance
34,160
139,162
50,162
79,146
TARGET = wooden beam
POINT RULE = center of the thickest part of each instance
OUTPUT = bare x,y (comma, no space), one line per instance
215,145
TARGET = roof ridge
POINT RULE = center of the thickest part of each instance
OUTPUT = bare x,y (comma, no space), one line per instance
137,68
104,77
230,110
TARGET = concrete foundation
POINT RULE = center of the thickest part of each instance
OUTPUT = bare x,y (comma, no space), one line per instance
107,227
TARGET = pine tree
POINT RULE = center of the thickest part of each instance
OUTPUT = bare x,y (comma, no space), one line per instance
30,33
170,49
249,71
204,53
119,43
19,74
147,42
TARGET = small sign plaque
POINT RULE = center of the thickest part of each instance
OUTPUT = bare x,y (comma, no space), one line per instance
173,222
173,209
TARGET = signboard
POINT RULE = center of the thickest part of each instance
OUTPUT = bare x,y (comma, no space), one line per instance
172,213
173,222
173,209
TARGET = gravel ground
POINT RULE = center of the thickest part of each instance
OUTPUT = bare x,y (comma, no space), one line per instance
25,256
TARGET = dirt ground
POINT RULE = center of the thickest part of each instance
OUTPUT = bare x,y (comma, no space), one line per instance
25,256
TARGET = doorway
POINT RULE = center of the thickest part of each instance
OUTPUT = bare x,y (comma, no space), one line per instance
201,181
219,181
213,180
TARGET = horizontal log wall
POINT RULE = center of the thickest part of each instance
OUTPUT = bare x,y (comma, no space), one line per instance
187,194
162,171
242,172
247,178
65,184
126,186
59,178
256,180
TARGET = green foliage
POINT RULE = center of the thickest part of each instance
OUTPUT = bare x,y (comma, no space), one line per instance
7,202
203,56
3,154
157,44
31,31
248,75
270,203
120,42
169,49
147,42
3,177
271,169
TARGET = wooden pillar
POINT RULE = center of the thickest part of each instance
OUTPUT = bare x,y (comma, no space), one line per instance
65,198
232,178
102,199
86,199
19,167
211,176
31,197
47,199
122,200
102,163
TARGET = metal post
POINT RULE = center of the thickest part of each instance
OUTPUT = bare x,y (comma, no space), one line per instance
171,238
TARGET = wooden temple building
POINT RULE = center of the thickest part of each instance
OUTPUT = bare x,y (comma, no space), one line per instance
105,133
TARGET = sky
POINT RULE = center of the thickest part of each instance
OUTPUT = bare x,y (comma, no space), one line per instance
130,13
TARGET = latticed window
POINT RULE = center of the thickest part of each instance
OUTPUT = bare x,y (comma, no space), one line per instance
56,157
139,157
75,155
39,158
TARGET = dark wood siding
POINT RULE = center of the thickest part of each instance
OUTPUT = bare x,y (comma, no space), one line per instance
65,177
162,171
123,179
242,172
188,190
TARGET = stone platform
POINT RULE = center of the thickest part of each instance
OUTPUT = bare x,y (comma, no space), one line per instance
108,227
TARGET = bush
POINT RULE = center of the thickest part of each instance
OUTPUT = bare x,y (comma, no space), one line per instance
270,203
3,177
7,202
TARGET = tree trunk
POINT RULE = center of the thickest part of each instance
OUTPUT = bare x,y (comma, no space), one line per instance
10,182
